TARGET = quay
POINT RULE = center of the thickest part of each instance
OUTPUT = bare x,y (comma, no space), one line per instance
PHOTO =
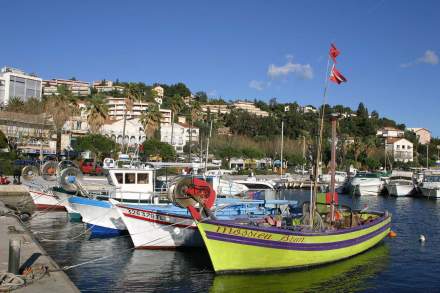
38,270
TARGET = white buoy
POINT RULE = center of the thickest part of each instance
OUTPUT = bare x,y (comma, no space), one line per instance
422,238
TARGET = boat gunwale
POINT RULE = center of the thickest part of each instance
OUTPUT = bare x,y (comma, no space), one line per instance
383,217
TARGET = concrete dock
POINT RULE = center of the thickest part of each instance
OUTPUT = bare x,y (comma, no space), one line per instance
33,256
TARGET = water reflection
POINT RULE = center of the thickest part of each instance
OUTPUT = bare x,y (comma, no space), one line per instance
344,276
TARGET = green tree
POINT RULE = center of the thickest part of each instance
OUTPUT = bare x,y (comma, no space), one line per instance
154,147
97,113
98,144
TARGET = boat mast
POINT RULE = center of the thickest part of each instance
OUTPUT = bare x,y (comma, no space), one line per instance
207,147
318,150
334,118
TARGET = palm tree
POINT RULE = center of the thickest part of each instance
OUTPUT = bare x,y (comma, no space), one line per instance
97,113
150,120
61,108
15,104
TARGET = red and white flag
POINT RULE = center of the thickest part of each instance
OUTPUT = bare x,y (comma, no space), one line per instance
336,76
334,52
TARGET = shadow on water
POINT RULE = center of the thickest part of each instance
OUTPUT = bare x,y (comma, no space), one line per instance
348,275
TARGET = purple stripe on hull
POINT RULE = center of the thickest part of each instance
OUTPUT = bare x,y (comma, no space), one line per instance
295,246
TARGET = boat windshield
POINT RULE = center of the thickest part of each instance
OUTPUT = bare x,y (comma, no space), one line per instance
367,175
432,178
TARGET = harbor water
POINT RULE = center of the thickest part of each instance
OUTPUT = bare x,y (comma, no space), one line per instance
401,263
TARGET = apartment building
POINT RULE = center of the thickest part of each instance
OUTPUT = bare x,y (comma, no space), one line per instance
216,109
16,83
77,87
106,86
250,107
390,132
118,107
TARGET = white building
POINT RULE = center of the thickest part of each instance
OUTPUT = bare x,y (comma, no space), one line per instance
159,91
105,86
180,135
390,132
77,87
400,148
216,109
133,131
117,108
250,107
17,83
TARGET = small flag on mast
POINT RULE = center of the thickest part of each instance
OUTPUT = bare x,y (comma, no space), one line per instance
334,52
336,76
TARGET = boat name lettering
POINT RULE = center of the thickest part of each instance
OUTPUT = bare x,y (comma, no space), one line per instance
292,239
244,233
147,215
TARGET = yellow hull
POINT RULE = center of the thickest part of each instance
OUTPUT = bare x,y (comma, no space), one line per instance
236,247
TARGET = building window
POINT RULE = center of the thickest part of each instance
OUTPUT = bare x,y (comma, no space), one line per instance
398,147
403,147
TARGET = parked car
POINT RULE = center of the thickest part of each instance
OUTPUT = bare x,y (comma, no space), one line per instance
91,168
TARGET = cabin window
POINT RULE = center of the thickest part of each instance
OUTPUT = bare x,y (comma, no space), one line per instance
142,178
130,178
119,178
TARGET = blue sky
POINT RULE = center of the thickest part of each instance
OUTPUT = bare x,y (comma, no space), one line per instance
241,49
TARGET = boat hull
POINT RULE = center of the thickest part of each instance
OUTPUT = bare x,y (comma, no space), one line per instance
101,217
151,229
366,189
235,248
399,189
49,202
430,192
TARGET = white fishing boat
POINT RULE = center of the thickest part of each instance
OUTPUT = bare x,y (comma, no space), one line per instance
130,186
400,184
430,185
368,184
252,183
340,178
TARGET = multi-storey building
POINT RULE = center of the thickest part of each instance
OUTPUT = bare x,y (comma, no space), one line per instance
106,86
216,109
117,108
78,88
400,148
250,107
17,83
179,136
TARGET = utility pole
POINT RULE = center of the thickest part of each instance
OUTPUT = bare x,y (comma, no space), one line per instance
282,144
427,156
207,147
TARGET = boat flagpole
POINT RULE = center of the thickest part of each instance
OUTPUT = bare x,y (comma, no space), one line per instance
318,151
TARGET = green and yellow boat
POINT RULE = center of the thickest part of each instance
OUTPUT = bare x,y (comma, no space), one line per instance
235,246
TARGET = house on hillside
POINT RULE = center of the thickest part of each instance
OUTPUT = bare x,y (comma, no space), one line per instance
423,134
401,149
390,132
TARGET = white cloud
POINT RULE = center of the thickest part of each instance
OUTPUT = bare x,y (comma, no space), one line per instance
258,85
304,71
430,57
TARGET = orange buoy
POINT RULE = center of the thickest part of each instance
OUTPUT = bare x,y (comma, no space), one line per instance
392,234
